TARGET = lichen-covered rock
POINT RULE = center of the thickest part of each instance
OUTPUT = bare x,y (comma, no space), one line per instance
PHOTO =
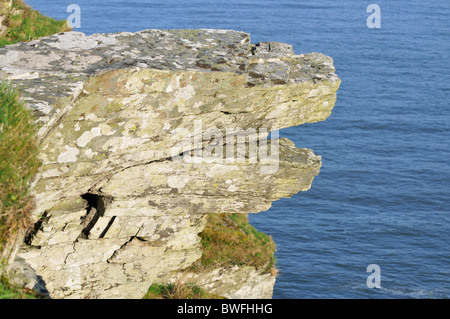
143,134
5,7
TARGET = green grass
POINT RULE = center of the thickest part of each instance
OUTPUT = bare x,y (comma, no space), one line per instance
9,292
28,24
18,165
229,240
178,291
226,240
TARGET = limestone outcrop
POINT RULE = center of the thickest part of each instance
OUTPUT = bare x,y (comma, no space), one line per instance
144,134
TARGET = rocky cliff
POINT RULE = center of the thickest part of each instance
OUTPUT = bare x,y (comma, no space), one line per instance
142,135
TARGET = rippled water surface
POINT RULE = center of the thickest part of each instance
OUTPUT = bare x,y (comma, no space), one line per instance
383,192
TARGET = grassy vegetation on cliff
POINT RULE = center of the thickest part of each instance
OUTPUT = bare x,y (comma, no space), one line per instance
9,292
178,291
226,240
18,165
18,145
229,240
25,24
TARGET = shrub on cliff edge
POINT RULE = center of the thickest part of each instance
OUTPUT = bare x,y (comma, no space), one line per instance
178,291
18,165
229,240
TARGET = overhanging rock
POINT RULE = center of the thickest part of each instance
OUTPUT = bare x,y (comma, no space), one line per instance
144,134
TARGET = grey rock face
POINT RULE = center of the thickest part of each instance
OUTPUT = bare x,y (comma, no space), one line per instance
142,135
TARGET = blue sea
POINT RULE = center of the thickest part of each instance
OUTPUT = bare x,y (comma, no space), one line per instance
382,196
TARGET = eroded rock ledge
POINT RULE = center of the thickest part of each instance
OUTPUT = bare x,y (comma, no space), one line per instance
117,209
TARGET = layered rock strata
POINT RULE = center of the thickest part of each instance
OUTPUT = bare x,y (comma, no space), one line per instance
144,134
